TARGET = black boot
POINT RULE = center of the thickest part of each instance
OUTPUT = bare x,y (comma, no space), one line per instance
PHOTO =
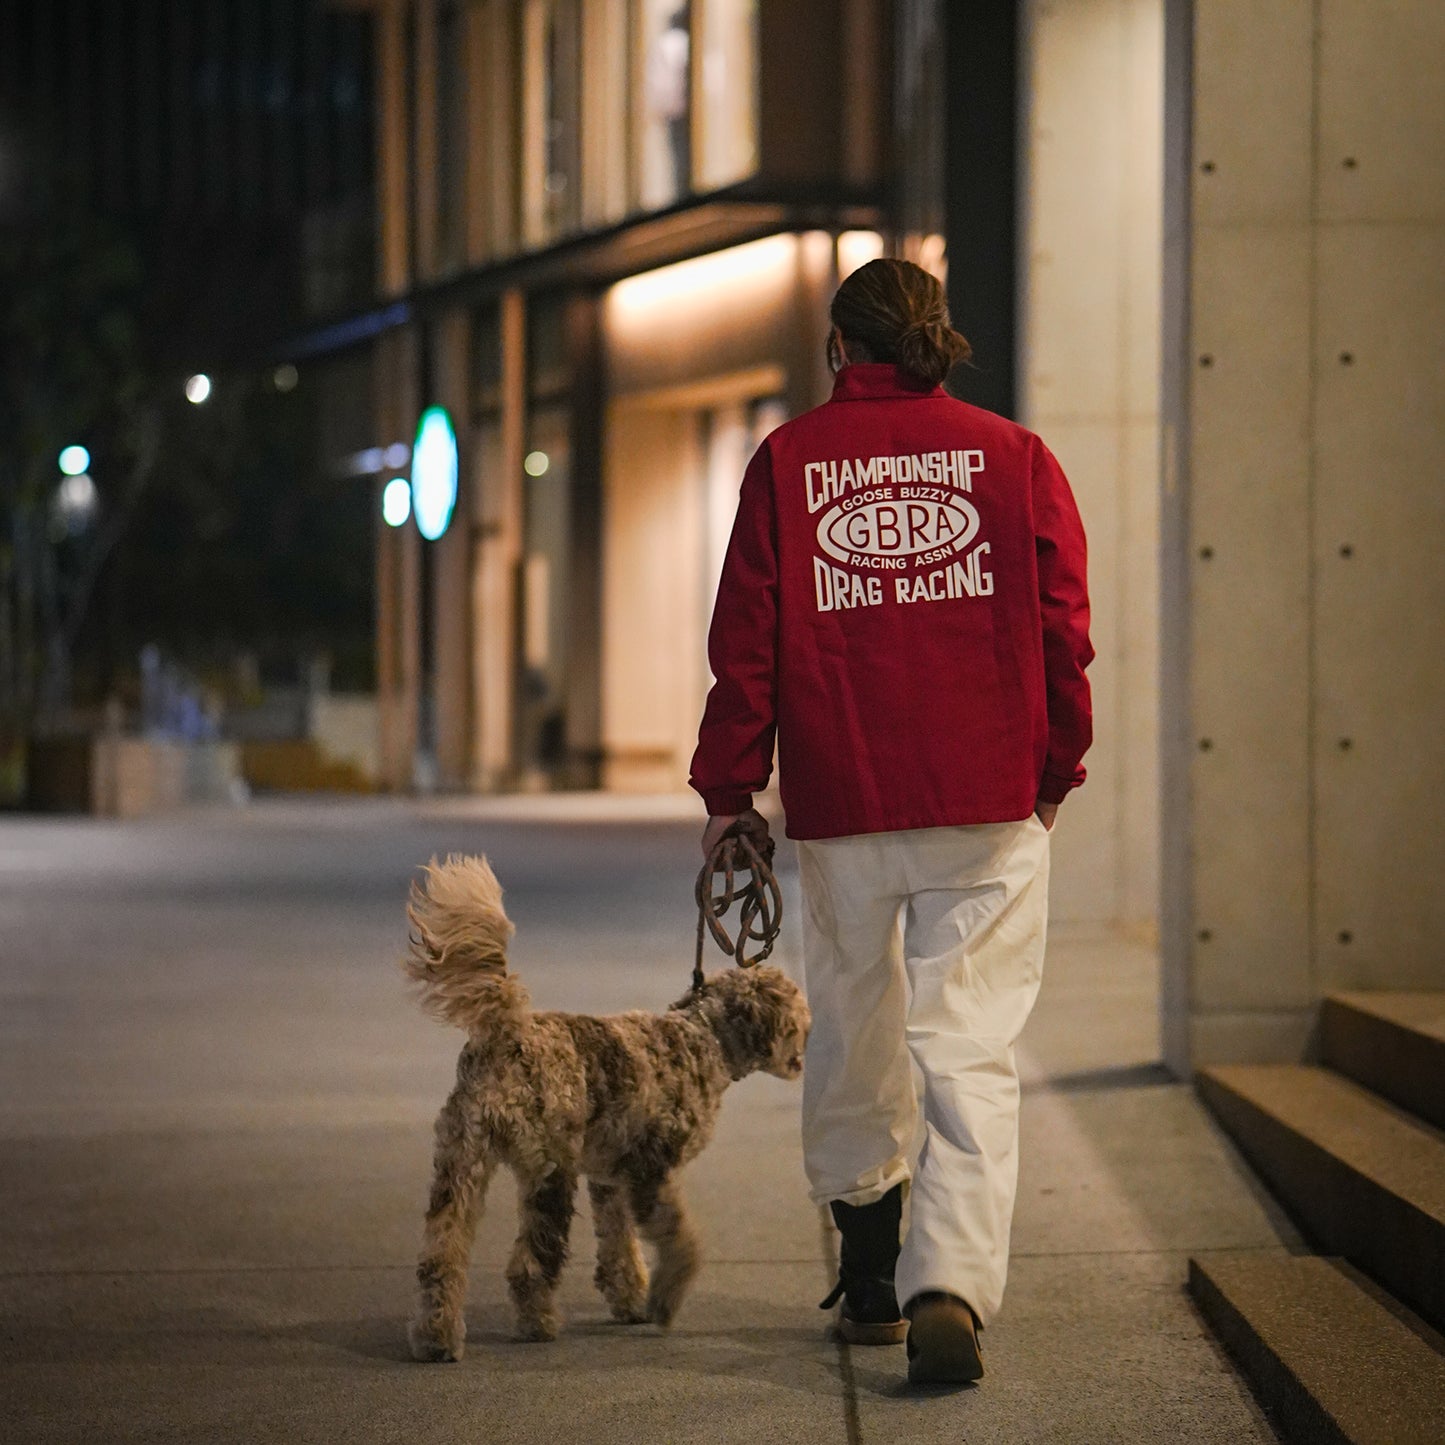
942,1340
866,1260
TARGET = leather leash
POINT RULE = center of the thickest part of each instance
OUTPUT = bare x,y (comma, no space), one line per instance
761,900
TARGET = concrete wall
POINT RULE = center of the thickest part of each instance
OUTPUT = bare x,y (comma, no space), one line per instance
1304,524
1089,373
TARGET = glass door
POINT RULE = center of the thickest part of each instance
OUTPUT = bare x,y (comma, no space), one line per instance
543,602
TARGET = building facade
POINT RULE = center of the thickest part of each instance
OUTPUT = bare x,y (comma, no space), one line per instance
608,232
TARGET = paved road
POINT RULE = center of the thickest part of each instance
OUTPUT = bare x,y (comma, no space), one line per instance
215,1110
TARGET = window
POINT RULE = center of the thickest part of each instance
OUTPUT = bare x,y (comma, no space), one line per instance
663,97
727,126
546,545
731,434
451,133
551,181
606,110
494,49
920,114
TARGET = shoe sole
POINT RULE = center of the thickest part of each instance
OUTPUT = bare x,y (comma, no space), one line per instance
857,1333
943,1350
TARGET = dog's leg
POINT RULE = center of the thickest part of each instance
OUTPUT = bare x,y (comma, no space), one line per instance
663,1220
621,1275
459,1183
545,1205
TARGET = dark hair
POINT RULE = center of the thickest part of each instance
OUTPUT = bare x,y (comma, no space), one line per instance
892,310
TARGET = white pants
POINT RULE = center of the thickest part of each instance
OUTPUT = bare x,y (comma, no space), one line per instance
927,944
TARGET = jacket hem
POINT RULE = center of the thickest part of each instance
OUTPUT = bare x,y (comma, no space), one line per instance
861,828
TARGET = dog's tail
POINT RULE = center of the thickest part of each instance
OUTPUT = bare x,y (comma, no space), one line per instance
458,953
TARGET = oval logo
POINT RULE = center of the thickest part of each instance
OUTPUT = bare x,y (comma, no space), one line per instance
896,529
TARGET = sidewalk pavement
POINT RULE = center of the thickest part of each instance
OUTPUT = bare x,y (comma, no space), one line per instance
215,1112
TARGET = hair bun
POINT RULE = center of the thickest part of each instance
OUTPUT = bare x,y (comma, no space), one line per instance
928,348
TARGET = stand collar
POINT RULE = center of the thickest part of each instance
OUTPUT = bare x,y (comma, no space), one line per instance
879,381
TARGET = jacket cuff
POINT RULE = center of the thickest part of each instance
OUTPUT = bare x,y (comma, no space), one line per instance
1054,789
725,803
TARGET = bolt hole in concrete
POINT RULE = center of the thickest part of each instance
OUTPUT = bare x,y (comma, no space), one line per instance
1347,550
1205,744
1206,552
1346,936
1347,358
1350,163
1206,360
1207,168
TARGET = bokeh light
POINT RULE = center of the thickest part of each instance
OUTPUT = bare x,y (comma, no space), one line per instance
74,460
434,473
75,502
396,502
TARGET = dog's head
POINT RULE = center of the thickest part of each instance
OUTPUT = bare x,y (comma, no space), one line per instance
760,1018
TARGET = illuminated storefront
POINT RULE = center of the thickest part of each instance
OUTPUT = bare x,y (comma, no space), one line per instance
614,226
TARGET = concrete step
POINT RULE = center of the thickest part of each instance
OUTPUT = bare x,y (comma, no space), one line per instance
1362,1178
1392,1043
1329,1361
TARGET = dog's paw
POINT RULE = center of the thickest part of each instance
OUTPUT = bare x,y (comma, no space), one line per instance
538,1329
669,1289
624,1287
433,1344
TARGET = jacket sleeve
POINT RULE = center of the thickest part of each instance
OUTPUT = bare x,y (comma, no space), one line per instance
1064,609
734,756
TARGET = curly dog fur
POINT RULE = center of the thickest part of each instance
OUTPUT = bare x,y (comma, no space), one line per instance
624,1100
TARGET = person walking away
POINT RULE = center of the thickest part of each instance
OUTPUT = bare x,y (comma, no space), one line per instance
903,608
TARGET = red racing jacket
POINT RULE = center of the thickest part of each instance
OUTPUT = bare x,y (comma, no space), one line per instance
904,608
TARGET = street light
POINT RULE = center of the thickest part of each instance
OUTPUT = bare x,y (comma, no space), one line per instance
535,464
74,460
198,388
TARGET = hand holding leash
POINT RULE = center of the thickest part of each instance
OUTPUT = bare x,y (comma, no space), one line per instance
742,841
724,825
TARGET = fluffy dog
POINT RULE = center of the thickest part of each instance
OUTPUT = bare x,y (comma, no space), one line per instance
625,1100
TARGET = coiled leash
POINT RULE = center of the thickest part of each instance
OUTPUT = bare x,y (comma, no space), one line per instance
761,918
